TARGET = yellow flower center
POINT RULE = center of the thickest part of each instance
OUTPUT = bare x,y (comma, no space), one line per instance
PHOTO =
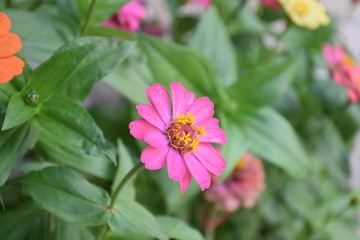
183,134
301,7
241,163
349,61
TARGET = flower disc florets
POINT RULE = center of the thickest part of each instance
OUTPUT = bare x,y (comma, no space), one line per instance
183,134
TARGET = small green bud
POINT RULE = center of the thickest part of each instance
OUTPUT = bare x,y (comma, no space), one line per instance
32,97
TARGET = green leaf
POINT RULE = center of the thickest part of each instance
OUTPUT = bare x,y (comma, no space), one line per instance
125,164
171,62
107,54
211,39
133,220
41,32
263,85
63,154
65,230
68,195
109,32
50,76
18,112
14,143
271,137
65,121
178,229
175,200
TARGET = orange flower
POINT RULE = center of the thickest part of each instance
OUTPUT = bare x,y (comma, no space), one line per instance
10,44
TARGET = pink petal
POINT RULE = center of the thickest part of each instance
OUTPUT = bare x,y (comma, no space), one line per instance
160,99
156,138
154,158
175,165
212,160
111,22
138,128
150,114
185,181
178,93
203,109
353,96
213,132
198,171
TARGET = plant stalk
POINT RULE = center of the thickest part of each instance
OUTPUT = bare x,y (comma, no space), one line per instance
139,166
88,17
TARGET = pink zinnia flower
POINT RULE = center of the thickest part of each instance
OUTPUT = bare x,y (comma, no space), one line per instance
273,4
179,132
204,3
333,55
242,188
128,17
350,78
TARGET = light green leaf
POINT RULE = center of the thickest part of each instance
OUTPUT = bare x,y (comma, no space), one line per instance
18,112
68,195
110,32
171,62
236,146
211,39
271,137
41,32
263,85
133,220
107,54
50,76
14,143
63,154
178,229
129,80
125,164
66,122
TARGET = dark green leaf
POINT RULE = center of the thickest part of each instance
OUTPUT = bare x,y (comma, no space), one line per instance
17,222
63,154
67,122
211,39
18,112
265,84
178,229
133,220
107,54
14,143
50,76
67,195
170,62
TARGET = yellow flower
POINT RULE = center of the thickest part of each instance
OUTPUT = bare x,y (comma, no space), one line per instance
306,13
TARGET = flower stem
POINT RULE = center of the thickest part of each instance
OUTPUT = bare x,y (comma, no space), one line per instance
139,166
88,17
115,194
8,3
